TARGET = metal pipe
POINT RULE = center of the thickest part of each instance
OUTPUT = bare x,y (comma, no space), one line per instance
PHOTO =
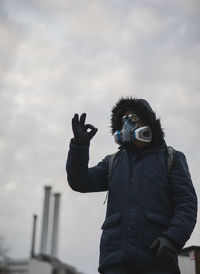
54,240
45,220
33,236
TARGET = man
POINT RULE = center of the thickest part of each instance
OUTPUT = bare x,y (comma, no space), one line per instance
151,208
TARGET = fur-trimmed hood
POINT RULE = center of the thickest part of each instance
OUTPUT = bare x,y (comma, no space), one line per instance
143,109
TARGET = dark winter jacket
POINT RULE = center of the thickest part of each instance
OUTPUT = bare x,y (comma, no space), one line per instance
144,201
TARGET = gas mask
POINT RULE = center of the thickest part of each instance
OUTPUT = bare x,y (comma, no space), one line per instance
131,131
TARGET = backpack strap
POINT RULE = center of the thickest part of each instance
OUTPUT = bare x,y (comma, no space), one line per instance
170,158
111,159
110,164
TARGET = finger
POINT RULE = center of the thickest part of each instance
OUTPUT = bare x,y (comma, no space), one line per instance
88,126
82,119
155,246
92,132
74,121
160,256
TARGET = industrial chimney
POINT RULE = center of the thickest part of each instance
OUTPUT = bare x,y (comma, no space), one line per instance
33,236
45,220
54,239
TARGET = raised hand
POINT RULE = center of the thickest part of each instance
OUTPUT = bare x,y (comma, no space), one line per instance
83,133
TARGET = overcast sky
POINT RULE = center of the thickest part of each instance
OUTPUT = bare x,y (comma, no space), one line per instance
59,57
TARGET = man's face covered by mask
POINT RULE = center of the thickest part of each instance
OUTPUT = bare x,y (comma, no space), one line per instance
133,130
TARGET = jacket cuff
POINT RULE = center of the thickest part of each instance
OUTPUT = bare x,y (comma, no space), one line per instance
176,244
76,146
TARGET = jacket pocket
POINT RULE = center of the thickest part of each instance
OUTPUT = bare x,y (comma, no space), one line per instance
157,218
111,237
111,220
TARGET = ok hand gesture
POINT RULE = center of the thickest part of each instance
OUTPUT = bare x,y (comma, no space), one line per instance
83,133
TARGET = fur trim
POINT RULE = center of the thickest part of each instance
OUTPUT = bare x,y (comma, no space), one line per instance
142,108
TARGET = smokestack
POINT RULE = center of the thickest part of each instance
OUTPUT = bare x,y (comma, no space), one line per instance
54,241
33,236
45,220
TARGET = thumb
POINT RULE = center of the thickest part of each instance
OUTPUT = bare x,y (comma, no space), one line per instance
92,132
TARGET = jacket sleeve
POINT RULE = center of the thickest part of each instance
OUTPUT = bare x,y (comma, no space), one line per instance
184,201
80,177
